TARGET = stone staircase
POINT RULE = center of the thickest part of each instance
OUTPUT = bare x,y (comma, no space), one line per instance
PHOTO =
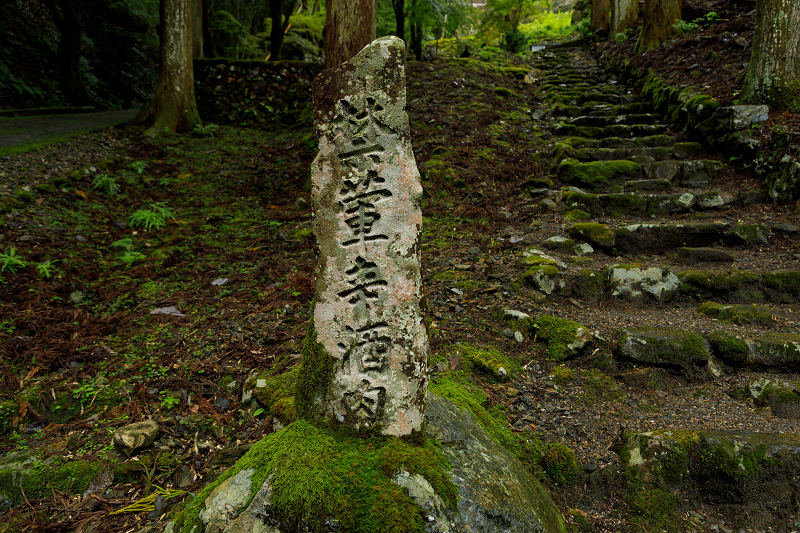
627,187
674,244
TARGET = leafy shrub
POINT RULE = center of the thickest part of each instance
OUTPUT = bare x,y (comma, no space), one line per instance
514,41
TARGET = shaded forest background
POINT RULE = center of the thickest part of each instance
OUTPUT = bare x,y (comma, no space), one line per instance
119,38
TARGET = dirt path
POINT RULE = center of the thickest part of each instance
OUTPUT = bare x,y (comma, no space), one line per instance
24,130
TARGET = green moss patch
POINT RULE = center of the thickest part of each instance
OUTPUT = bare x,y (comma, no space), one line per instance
318,474
594,233
738,313
598,176
564,338
730,348
276,393
315,374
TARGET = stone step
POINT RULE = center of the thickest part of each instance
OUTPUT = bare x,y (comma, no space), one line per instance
699,357
621,142
616,130
642,285
601,121
682,150
636,205
624,175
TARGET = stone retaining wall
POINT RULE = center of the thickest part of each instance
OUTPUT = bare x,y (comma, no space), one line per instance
253,92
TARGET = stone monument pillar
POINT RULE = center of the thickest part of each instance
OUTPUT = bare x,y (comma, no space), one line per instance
370,356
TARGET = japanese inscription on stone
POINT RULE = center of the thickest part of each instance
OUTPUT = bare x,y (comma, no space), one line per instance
367,220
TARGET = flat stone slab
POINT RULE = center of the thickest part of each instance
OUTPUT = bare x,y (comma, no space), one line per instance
704,255
682,352
640,285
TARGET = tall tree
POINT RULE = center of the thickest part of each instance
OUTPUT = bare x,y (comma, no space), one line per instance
66,15
623,16
399,7
280,12
174,107
601,14
659,16
773,76
349,27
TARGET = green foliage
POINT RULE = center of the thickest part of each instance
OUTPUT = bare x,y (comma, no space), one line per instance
514,41
682,27
560,464
46,269
206,130
548,26
11,261
138,166
127,253
153,218
106,184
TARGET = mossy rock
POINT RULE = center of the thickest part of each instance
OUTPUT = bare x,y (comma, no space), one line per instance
732,349
24,195
564,338
777,351
505,92
38,477
590,285
275,393
683,352
596,234
542,277
487,360
744,472
598,176
782,397
738,313
576,215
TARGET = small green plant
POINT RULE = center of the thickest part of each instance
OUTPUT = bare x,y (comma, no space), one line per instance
167,401
711,17
46,269
153,218
205,131
106,184
683,27
12,261
127,253
138,167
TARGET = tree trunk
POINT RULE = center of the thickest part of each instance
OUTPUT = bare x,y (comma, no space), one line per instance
197,29
68,23
349,27
600,14
209,50
623,16
399,7
659,16
174,107
773,76
276,32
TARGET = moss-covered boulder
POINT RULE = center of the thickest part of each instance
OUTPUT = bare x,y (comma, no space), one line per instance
659,238
564,338
275,393
730,348
682,352
304,478
777,351
753,475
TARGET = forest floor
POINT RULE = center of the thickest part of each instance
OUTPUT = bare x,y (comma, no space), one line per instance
148,279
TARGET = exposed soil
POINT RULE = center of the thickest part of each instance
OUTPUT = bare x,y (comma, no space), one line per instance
82,352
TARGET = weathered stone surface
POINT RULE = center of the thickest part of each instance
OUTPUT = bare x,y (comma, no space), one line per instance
776,350
367,220
738,313
752,474
658,238
638,285
782,397
739,117
679,351
704,255
495,492
136,436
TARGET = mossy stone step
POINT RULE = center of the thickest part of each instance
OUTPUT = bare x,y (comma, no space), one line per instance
682,352
650,141
601,121
782,397
738,313
615,130
659,238
599,176
632,204
742,286
562,151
